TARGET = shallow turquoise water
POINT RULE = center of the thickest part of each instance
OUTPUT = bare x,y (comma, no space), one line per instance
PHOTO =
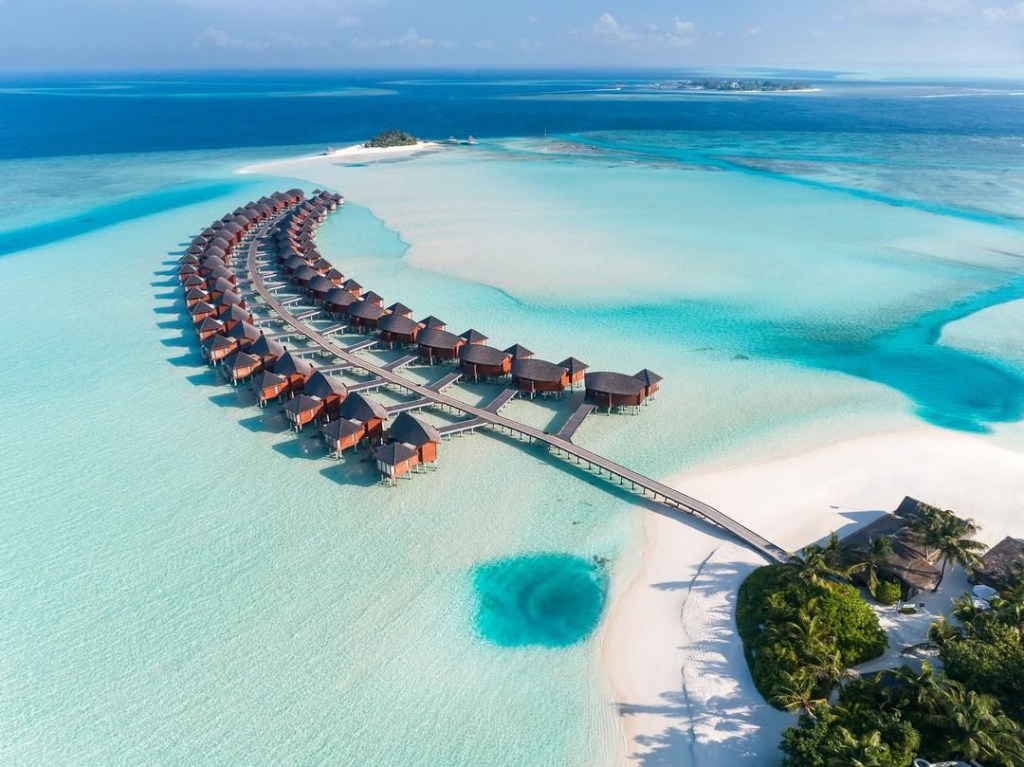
549,600
185,582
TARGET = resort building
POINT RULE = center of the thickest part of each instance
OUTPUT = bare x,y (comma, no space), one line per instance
268,385
480,361
398,330
436,344
1000,563
395,459
365,315
533,376
369,413
422,436
241,366
328,389
908,561
302,409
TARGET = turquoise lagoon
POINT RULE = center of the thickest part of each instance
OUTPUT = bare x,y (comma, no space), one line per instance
186,582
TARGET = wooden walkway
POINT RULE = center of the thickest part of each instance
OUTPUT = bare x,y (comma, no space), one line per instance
506,396
402,362
651,488
575,421
402,407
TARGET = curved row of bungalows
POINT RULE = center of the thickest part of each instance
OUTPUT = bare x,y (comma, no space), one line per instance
359,418
610,390
412,442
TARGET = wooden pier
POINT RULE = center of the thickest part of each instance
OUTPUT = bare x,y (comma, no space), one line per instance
478,416
575,421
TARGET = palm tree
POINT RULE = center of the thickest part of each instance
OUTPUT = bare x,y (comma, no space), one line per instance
975,728
941,632
916,691
798,692
868,750
944,532
869,560
821,563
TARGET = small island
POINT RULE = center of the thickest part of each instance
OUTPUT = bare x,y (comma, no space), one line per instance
728,85
390,138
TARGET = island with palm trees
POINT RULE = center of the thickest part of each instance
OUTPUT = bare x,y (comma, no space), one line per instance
806,624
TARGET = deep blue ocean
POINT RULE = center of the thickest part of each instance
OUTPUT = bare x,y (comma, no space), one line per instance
61,114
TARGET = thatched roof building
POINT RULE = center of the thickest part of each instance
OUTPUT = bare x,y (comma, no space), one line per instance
610,390
479,360
398,329
999,563
438,344
531,376
908,561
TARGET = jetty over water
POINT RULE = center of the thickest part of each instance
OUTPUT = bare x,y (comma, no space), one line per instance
353,417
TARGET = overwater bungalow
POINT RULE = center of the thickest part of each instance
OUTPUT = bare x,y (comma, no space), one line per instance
438,344
373,298
226,301
194,296
323,266
268,385
304,275
210,263
294,262
222,272
397,330
234,315
401,310
519,352
201,311
185,270
433,323
472,336
356,407
217,347
219,286
341,434
577,370
319,287
532,376
1000,563
353,287
395,459
422,436
335,276
610,390
337,301
302,409
268,350
241,365
909,562
295,369
209,327
329,389
650,380
364,315
194,281
479,360
245,333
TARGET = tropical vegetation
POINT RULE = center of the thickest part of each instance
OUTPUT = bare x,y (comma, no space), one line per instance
972,711
393,137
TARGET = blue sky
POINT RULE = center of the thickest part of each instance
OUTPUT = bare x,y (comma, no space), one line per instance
175,34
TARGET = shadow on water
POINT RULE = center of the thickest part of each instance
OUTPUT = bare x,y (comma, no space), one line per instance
270,420
355,469
305,445
729,722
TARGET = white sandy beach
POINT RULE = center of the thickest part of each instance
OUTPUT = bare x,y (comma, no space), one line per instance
670,646
353,153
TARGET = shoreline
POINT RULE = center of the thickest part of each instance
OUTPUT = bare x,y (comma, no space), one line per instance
682,683
351,153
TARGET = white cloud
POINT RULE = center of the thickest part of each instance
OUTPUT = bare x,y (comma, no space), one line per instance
1000,14
752,31
221,39
347,22
609,31
411,41
530,46
532,19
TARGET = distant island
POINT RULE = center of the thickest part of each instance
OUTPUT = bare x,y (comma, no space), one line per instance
721,84
391,138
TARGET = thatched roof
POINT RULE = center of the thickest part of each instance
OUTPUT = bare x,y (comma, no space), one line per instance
400,309
241,361
433,323
433,338
364,310
473,337
519,352
360,408
398,324
574,365
394,453
648,377
266,347
340,428
288,365
908,561
479,354
339,297
303,403
537,370
412,430
1000,562
323,386
618,384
